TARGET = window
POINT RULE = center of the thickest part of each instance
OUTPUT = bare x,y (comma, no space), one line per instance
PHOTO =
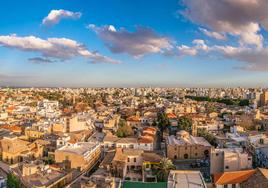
206,153
195,154
217,154
128,160
226,167
185,156
175,156
225,186
185,148
233,185
134,160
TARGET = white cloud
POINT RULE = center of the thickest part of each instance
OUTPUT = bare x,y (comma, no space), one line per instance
213,34
59,48
199,46
253,59
186,50
241,18
55,16
138,43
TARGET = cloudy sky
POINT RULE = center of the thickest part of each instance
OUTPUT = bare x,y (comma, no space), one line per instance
75,43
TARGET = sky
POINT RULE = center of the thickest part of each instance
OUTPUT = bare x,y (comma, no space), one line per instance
127,43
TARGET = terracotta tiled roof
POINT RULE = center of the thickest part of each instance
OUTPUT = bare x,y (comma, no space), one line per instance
232,177
149,129
171,116
13,128
133,118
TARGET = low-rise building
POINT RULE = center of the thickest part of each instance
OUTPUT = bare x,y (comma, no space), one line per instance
185,178
185,146
256,178
229,159
14,150
81,155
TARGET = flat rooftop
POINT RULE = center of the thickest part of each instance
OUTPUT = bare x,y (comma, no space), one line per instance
80,148
185,179
43,179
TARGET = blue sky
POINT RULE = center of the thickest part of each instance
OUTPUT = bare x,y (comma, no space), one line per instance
102,43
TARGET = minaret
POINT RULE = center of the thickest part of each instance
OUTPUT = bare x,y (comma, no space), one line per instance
194,128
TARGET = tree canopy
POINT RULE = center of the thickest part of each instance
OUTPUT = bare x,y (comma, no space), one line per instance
124,129
13,181
185,123
240,102
163,168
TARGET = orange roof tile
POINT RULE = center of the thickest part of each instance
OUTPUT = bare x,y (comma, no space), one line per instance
232,177
171,116
13,128
133,118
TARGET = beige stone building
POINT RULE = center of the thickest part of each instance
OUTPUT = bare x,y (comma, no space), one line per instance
185,146
14,150
38,175
70,124
227,159
33,134
81,155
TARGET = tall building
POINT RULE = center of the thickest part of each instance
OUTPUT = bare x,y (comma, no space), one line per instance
264,98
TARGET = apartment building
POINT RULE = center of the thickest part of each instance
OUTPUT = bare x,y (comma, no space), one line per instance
229,159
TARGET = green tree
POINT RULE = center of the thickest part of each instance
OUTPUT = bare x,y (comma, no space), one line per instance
13,181
162,122
124,129
185,123
163,168
154,123
208,136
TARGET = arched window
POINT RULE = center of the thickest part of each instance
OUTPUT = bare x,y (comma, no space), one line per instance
175,157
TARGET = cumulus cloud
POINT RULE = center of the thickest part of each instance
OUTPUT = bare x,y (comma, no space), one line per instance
59,48
213,34
138,43
186,50
55,16
253,59
241,18
198,46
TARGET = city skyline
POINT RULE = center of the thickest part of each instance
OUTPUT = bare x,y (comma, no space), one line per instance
179,43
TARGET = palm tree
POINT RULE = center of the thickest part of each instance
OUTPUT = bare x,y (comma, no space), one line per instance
163,168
